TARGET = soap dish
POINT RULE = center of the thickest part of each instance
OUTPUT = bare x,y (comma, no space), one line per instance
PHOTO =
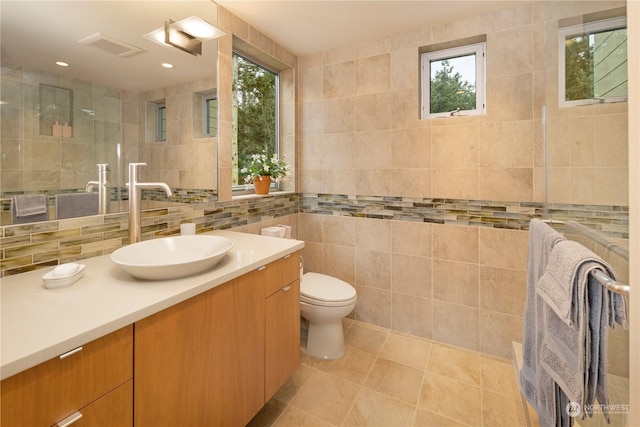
51,281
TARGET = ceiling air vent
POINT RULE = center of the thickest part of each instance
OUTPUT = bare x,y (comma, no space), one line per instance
111,45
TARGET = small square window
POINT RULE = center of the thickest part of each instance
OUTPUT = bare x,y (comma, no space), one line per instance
592,62
453,81
161,130
211,116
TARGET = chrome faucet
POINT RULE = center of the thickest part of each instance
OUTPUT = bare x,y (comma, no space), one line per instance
135,194
103,190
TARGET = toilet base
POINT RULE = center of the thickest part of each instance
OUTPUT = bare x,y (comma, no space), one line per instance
324,340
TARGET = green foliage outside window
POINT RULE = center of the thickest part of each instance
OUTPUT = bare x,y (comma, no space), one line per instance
449,92
255,102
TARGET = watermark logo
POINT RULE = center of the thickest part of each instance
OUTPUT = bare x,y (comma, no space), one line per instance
573,409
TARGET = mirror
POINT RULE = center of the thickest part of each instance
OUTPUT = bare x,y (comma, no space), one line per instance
113,103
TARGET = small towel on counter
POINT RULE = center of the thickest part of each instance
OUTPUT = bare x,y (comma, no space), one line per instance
29,208
577,312
72,205
536,386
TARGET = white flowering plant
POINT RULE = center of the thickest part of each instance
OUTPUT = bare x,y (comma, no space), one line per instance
262,164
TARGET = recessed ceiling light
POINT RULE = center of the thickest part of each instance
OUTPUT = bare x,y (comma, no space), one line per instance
167,65
62,64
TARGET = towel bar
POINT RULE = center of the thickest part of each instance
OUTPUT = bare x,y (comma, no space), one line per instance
610,284
599,275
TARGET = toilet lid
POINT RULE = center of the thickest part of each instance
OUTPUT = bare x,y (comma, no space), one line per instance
325,288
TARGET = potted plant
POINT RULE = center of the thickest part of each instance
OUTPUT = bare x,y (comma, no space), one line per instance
262,169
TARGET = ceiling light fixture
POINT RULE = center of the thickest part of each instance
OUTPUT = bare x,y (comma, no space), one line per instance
167,65
62,64
186,34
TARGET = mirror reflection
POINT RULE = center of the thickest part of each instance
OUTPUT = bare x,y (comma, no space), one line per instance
87,93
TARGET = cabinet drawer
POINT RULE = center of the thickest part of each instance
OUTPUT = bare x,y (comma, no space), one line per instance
53,390
281,272
115,409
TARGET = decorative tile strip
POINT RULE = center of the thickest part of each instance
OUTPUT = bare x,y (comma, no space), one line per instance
612,221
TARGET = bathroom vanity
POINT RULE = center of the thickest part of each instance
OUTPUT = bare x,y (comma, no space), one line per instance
112,350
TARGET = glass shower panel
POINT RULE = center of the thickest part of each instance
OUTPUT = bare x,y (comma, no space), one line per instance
583,152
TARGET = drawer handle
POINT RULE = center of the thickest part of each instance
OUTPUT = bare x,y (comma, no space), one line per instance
262,268
287,256
70,419
70,353
286,288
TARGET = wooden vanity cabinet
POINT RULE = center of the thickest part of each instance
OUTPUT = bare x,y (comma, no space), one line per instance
217,357
200,362
92,380
282,324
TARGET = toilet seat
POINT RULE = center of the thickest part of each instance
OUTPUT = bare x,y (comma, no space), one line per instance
327,291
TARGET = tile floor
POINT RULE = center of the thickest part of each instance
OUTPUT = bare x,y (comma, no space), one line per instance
390,379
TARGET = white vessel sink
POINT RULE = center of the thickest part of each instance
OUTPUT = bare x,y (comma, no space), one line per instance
171,257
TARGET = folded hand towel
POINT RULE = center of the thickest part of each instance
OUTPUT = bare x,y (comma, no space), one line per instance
30,204
76,204
29,208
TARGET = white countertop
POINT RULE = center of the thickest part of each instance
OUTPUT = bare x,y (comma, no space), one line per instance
38,324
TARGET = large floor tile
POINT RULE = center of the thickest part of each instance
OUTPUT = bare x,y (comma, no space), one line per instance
378,410
405,349
395,380
354,366
452,399
457,364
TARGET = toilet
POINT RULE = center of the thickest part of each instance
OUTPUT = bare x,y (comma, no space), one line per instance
324,301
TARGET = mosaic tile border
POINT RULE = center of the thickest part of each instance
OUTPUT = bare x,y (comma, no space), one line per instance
26,247
612,221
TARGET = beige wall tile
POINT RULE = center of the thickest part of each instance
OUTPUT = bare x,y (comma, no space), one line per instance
455,146
337,115
411,238
510,97
411,275
372,74
373,182
503,248
338,80
373,234
510,51
497,333
338,151
456,243
372,112
338,230
373,306
411,182
338,261
411,148
373,269
455,183
412,315
373,150
506,145
505,184
456,282
611,140
503,290
372,47
338,181
456,325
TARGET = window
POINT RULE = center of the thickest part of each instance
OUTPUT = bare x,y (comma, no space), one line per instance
161,129
453,81
592,62
255,114
211,116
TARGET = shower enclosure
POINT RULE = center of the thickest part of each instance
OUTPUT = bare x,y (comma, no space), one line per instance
582,170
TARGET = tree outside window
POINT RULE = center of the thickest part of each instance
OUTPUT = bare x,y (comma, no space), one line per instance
254,113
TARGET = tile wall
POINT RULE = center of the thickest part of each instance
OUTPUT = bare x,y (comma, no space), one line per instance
458,278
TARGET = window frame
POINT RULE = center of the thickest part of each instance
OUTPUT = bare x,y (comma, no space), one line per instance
246,189
161,122
479,49
207,118
582,29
